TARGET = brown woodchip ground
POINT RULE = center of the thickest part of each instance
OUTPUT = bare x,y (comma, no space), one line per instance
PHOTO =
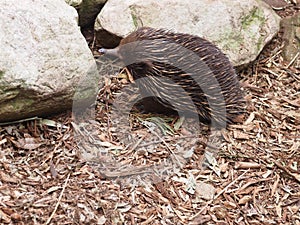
255,176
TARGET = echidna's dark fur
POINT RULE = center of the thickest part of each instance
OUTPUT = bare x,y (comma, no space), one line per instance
154,68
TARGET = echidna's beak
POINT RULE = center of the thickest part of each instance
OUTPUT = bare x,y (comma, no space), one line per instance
113,52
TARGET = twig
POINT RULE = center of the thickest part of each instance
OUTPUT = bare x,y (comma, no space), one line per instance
130,76
137,144
59,199
94,40
221,192
293,60
225,189
178,138
20,121
127,172
296,176
165,143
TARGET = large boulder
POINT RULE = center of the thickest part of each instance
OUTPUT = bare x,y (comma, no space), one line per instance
240,28
291,38
43,57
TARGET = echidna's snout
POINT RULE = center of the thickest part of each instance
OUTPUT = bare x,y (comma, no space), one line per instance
102,50
112,52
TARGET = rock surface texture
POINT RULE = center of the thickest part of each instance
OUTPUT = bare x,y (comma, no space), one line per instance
291,38
43,56
240,28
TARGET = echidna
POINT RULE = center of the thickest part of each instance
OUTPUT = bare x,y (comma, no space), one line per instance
184,72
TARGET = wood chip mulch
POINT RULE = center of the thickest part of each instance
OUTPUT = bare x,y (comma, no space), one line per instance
253,177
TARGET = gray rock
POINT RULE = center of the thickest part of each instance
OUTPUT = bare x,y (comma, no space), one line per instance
291,37
43,57
277,4
240,28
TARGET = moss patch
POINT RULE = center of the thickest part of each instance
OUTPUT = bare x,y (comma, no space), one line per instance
251,25
254,17
1,74
134,16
